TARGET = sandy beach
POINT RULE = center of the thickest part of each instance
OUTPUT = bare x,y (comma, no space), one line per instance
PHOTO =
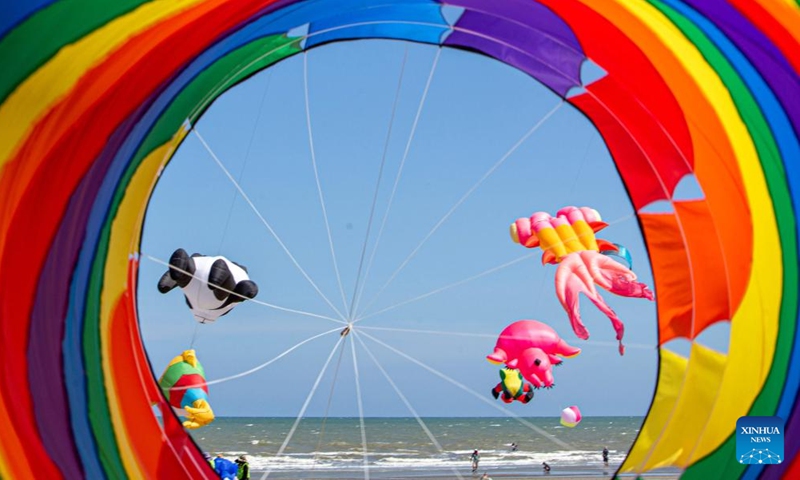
439,475
424,476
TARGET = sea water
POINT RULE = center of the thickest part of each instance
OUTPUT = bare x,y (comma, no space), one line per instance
401,447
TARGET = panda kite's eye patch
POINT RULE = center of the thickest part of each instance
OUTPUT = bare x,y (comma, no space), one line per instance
537,362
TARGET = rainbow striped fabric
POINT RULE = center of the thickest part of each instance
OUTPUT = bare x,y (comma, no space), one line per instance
96,95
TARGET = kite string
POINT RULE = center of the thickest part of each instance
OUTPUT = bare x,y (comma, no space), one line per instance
485,272
446,287
493,336
480,397
405,401
319,185
378,183
580,166
264,222
261,366
194,335
360,409
464,197
328,407
399,174
304,407
246,158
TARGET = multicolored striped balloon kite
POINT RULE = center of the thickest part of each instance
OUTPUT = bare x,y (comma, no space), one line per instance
95,96
184,384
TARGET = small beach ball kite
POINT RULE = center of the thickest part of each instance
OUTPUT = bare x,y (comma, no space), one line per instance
571,416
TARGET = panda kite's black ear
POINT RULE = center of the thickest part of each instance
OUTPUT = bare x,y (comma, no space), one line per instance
247,288
244,289
220,276
166,283
183,267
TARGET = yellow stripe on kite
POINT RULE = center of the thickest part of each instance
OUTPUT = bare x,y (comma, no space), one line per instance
699,387
672,369
124,240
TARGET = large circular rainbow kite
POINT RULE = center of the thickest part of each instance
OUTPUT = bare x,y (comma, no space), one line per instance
97,95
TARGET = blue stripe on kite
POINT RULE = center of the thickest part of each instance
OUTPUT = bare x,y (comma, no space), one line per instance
75,374
417,22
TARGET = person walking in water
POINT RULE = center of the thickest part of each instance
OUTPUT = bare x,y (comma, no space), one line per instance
605,456
546,468
476,457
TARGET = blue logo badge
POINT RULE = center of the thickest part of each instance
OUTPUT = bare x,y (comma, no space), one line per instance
759,440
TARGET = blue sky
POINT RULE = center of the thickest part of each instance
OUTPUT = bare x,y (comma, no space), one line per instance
476,109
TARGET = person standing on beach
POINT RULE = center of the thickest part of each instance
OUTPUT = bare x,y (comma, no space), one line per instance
243,468
605,456
476,457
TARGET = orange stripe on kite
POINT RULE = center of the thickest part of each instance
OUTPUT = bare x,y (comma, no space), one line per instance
692,290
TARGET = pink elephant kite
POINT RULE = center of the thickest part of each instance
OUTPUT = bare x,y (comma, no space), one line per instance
533,348
568,239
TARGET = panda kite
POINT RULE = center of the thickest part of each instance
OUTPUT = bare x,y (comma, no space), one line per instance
200,277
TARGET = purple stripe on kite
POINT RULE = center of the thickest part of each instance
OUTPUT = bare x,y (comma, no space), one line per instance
770,62
527,36
791,446
48,391
528,13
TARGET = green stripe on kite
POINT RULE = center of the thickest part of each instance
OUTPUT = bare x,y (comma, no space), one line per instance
31,44
99,413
